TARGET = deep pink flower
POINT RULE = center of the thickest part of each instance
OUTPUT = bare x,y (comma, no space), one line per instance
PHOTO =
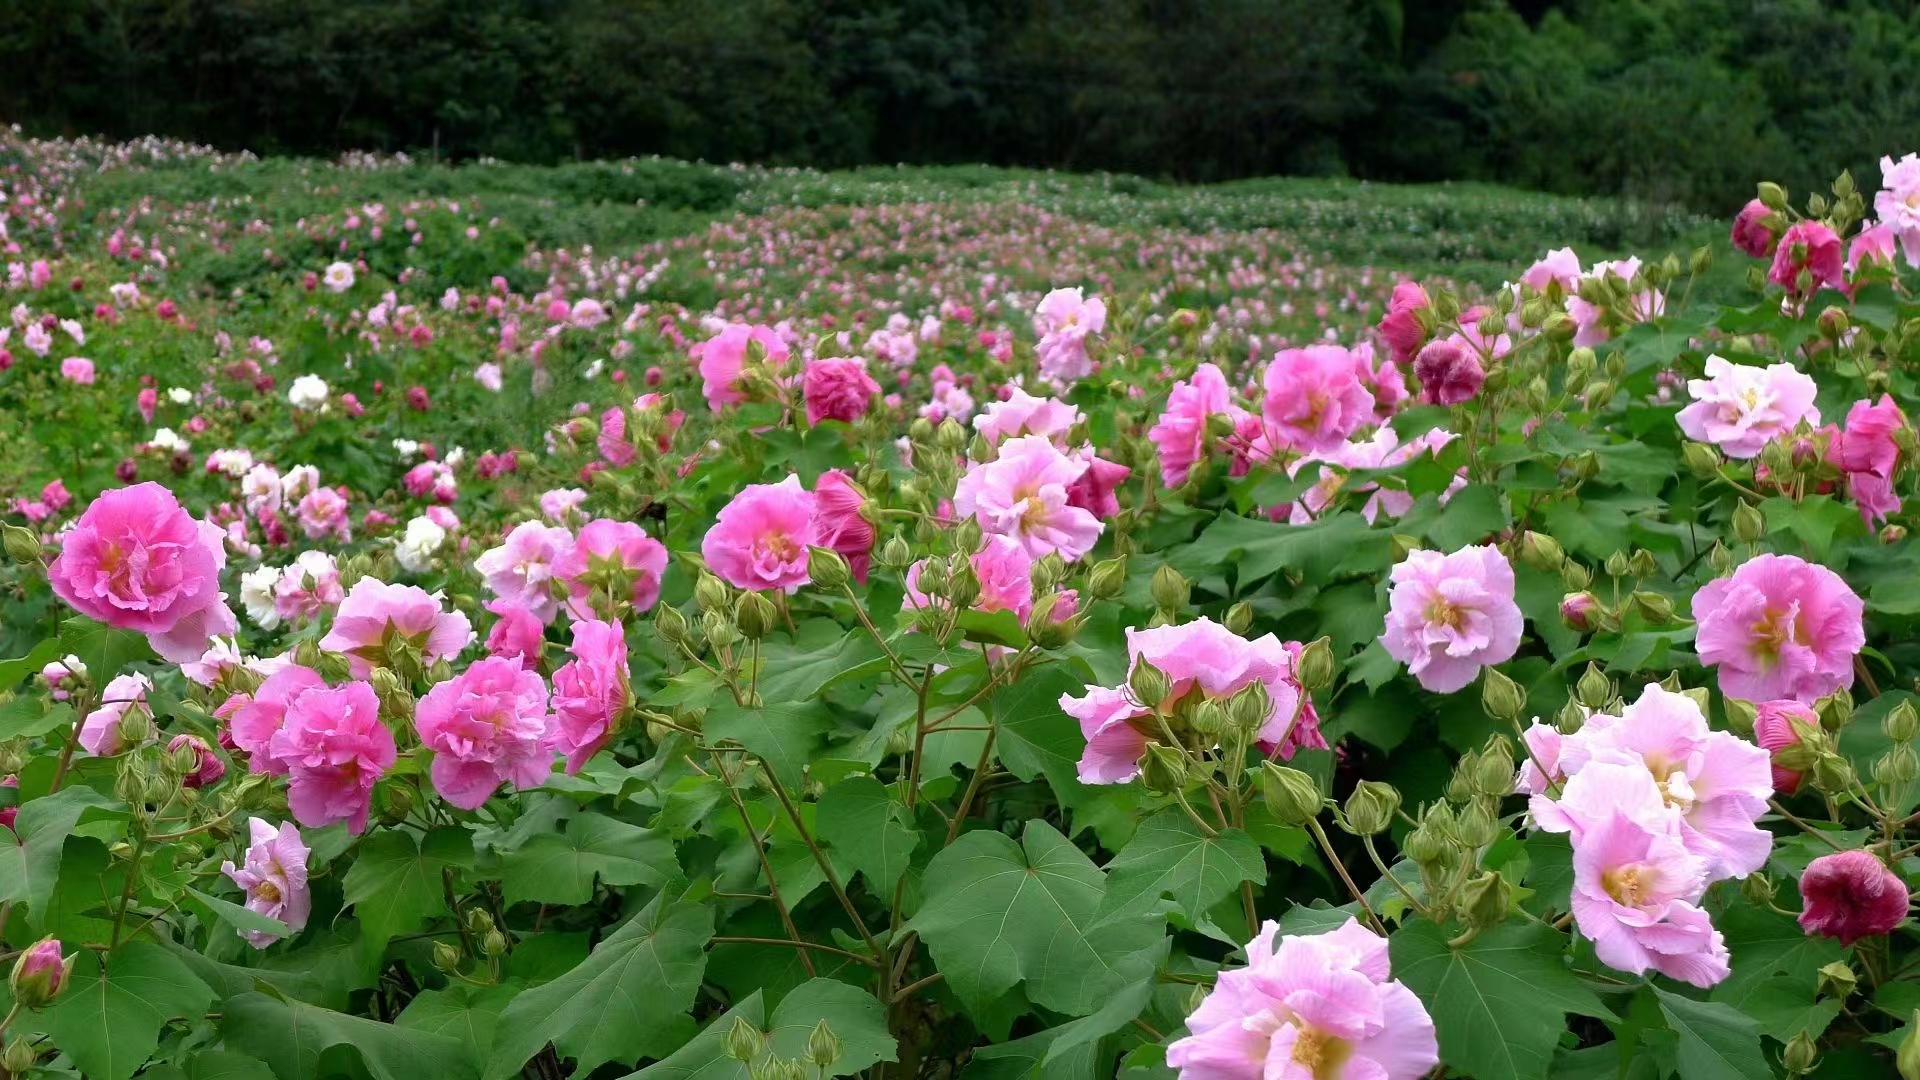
1202,660
1181,431
207,768
1780,627
1866,444
40,974
1314,398
1093,491
1024,493
521,570
254,719
1812,247
376,615
1451,615
759,540
1005,573
611,560
335,748
1750,232
487,726
1850,895
1308,1007
1401,327
1449,372
838,524
1741,409
1778,725
590,691
837,389
723,357
274,876
136,561
1873,496
518,635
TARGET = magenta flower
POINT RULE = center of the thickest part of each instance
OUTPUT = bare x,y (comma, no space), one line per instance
1094,490
335,748
1780,627
1024,494
1634,894
1741,409
1813,248
40,974
1850,895
837,389
590,691
759,540
1750,232
520,571
1181,431
254,719
376,615
207,768
1866,444
1064,320
102,733
1005,572
1023,414
274,876
838,524
723,358
1308,1007
1202,661
136,561
1401,327
610,560
1449,372
487,726
1314,398
1450,615
1778,725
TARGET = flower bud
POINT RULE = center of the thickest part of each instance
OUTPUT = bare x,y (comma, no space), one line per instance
1617,565
1593,690
1833,323
1902,722
1250,708
1642,563
1493,774
1475,827
671,624
40,974
1291,795
1500,696
1900,765
1485,900
1800,1054
446,957
1575,576
1657,609
493,943
754,614
1315,667
1170,589
1740,717
710,593
19,1057
1832,774
1702,460
1239,618
1838,980
307,655
1772,195
1540,551
1835,709
969,538
827,568
1107,579
1164,769
1700,695
22,544
1580,611
745,1042
1571,718
1429,845
963,584
950,437
1211,719
1048,632
896,554
823,1046
1370,809
1749,524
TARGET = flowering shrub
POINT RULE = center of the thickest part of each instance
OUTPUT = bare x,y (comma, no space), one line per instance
490,661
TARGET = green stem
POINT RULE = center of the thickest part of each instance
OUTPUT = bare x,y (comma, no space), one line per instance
1320,835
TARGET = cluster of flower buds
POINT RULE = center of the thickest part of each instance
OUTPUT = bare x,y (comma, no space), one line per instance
748,1045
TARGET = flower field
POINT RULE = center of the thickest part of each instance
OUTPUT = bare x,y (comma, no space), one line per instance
647,619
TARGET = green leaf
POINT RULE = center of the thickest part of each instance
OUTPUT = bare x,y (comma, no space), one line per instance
30,855
853,1014
469,1015
1258,549
398,882
560,868
1716,1040
784,734
1763,943
627,1000
1471,515
12,671
27,717
1036,738
110,1017
860,820
238,917
1896,596
790,674
999,913
1169,855
293,1036
221,1065
1499,1002
106,652
1550,869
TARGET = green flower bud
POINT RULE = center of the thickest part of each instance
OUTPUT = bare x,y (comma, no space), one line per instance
1571,718
1429,845
950,437
823,1046
1900,765
493,943
1107,579
1832,774
1370,809
1902,722
1740,717
1594,689
1211,719
1316,665
1757,888
1051,633
1170,589
1493,773
1485,900
710,593
745,1042
22,545
1835,709
1475,828
1657,609
896,554
1575,576
1540,551
19,1057
478,921
1239,617
1500,696
1617,565
969,538
1148,683
1838,980
827,568
1163,769
1291,795
307,655
1699,695
1250,707
1772,195
446,957
1800,1054
671,624
399,801
1749,524
1401,545
963,584
1702,460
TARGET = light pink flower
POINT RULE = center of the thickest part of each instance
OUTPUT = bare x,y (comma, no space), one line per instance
309,588
1741,409
1811,247
759,540
1850,895
590,691
1870,247
1873,496
1540,768
520,571
335,748
837,389
610,560
1451,615
136,561
1181,431
723,357
1064,320
1023,414
274,876
376,615
1309,1007
1560,266
101,731
1634,896
1314,398
40,975
1897,203
323,512
1202,660
77,369
1024,494
487,726
838,524
1780,627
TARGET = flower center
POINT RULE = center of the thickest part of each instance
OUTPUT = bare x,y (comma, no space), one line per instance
1629,885
781,546
1442,613
1772,632
1320,1053
267,892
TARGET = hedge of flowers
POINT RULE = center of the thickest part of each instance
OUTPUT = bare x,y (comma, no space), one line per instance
476,665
